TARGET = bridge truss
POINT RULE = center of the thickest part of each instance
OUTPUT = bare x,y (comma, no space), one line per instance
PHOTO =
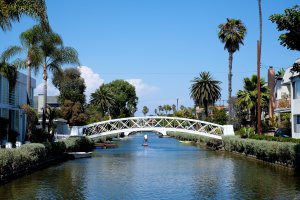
160,124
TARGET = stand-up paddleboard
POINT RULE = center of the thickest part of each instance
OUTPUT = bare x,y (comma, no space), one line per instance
145,144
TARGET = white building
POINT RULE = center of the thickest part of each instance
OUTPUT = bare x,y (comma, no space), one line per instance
287,94
10,104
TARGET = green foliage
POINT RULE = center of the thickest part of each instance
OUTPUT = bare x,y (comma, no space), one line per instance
145,110
28,156
73,113
289,22
103,100
271,151
31,118
210,142
12,10
124,96
3,127
78,144
232,34
247,98
70,85
272,138
205,90
219,116
38,135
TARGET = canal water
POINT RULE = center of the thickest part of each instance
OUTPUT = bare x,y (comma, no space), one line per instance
166,169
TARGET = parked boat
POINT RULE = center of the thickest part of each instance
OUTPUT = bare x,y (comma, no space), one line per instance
80,154
105,145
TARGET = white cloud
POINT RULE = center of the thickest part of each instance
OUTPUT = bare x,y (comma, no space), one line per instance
51,90
92,80
142,88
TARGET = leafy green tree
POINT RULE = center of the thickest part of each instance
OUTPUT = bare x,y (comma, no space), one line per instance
219,116
289,22
29,40
70,85
247,98
125,98
12,10
103,99
73,112
31,119
232,34
145,110
205,90
160,109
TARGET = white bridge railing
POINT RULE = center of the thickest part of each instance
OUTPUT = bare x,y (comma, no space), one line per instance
159,124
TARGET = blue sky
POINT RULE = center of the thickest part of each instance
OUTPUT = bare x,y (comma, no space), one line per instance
161,45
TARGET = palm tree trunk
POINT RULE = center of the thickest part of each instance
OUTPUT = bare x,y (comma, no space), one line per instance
29,100
45,95
230,59
205,108
260,24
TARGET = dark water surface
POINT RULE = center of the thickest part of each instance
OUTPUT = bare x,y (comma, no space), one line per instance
166,169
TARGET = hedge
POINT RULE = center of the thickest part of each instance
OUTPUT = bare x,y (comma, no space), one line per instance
286,153
210,142
17,162
75,143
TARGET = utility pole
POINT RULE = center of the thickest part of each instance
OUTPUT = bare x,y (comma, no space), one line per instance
177,104
258,90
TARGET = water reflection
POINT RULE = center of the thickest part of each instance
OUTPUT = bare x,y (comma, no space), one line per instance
166,169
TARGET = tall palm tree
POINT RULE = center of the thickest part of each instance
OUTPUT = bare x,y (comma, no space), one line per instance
232,34
247,98
54,55
205,90
9,69
103,98
30,41
12,10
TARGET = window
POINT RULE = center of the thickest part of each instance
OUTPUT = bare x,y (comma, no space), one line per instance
296,89
298,119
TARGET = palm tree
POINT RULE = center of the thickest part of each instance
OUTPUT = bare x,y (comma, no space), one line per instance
205,90
12,10
54,55
103,98
232,34
145,110
247,98
30,41
9,69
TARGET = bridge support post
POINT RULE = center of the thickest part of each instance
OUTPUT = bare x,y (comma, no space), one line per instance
228,130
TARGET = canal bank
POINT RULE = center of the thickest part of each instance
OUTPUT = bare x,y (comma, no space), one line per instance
285,154
166,169
29,158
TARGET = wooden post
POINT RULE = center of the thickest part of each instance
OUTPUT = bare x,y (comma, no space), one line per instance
258,90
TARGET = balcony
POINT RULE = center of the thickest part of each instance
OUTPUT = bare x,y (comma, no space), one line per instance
283,105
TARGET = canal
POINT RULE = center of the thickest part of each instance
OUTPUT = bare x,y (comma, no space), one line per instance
166,169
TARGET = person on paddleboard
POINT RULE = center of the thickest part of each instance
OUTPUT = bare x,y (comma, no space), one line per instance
145,138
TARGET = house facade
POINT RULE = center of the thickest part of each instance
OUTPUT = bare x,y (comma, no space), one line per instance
10,104
287,98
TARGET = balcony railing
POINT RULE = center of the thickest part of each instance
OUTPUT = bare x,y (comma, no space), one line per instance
283,103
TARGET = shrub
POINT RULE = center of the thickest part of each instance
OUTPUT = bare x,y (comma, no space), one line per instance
28,156
210,142
272,138
74,144
272,151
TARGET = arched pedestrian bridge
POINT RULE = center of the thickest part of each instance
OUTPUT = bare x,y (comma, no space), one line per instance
159,124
